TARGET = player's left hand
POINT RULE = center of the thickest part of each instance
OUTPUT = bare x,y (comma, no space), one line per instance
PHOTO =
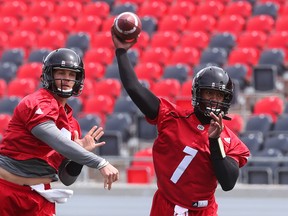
216,126
90,140
110,174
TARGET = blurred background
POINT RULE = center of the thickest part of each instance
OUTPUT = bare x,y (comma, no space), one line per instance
248,38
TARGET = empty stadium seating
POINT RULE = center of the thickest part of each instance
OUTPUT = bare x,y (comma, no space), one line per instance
29,30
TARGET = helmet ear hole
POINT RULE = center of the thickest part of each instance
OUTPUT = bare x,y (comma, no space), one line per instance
63,58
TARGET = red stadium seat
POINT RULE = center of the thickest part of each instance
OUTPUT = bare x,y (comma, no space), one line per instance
42,8
21,87
184,102
185,55
107,23
252,39
271,105
4,121
17,9
247,56
236,124
174,22
281,23
211,8
8,24
230,23
186,88
101,105
154,8
138,175
83,2
88,24
88,89
149,71
30,70
184,8
51,39
242,8
224,2
142,169
143,158
158,55
94,71
167,2
98,8
142,42
263,23
283,10
34,24
23,39
100,55
165,39
184,98
196,2
68,8
61,23
167,88
110,87
3,41
205,23
102,39
279,40
196,39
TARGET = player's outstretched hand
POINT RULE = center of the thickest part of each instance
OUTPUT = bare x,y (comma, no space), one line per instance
90,140
110,174
118,43
216,126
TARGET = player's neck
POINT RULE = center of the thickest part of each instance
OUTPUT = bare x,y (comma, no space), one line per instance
61,100
202,118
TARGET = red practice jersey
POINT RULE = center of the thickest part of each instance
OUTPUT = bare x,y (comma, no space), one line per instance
181,156
20,144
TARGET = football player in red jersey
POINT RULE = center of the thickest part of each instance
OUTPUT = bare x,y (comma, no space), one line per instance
194,150
43,142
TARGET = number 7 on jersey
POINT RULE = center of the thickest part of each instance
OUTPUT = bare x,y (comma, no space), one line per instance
184,163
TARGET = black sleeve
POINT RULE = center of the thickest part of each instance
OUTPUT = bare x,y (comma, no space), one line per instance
144,99
226,169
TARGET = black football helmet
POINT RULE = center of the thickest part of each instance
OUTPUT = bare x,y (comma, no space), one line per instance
213,78
63,58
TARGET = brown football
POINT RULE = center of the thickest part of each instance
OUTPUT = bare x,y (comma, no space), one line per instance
127,26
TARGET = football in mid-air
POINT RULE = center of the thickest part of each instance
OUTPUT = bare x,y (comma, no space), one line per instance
127,26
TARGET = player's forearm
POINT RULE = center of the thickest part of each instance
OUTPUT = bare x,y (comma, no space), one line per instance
48,133
226,169
146,101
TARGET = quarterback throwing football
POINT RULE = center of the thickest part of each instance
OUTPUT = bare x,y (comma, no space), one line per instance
194,150
43,142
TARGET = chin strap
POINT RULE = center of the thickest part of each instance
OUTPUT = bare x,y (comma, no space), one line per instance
227,118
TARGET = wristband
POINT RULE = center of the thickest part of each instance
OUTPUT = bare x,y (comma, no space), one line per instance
217,148
102,164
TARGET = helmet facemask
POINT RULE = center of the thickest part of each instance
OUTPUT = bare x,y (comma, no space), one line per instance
207,106
215,79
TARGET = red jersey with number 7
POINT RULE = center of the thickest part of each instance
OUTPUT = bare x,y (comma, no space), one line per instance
181,157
